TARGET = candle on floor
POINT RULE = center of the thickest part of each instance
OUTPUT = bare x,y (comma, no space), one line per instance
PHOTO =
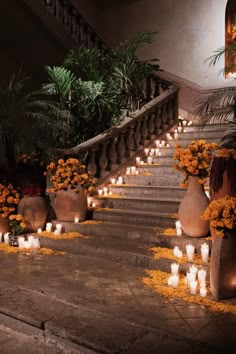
36,243
26,245
76,220
203,291
193,287
205,252
190,252
174,268
175,281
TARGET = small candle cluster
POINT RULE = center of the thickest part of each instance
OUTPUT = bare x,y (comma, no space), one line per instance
178,228
104,192
58,228
22,242
117,181
132,170
194,277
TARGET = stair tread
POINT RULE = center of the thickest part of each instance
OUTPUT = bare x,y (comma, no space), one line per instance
127,186
124,197
134,212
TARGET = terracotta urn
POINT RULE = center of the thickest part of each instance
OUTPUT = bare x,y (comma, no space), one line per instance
191,209
69,205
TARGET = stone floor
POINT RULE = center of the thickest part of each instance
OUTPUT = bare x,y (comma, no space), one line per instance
76,304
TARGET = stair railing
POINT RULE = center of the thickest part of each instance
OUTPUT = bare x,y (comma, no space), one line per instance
74,23
110,152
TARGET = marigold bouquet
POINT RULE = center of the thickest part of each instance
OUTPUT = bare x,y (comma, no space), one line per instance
69,174
222,214
194,160
17,224
9,199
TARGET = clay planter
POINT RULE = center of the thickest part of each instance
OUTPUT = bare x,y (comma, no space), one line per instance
68,205
222,177
223,266
35,211
4,225
192,207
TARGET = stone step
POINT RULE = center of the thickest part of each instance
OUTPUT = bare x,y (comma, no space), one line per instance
210,135
158,169
138,203
135,217
173,180
143,235
184,142
123,252
208,127
147,191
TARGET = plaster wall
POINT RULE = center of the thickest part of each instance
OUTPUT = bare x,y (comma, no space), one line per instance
189,31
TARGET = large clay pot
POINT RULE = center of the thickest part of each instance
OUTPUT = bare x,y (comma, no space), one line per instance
192,207
4,225
222,177
68,205
35,211
223,266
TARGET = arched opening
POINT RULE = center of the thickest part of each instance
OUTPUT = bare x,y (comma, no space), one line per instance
230,37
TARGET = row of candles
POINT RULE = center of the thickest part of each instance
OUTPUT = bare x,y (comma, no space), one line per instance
31,242
194,276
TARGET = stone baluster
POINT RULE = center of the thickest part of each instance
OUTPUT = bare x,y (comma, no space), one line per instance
75,26
148,88
67,16
103,161
163,116
150,125
92,167
157,122
170,117
120,148
156,86
59,11
137,135
50,5
129,142
112,154
144,131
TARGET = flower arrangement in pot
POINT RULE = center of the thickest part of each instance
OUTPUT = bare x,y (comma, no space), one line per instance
9,200
18,226
221,213
70,183
194,162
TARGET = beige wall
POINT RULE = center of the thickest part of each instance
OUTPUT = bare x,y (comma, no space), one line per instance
189,32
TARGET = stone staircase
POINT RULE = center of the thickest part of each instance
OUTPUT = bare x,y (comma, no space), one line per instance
138,214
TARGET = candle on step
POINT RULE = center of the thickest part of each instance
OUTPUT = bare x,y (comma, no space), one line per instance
190,122
203,291
94,205
113,181
105,190
175,281
175,251
6,238
100,191
175,136
138,160
201,274
59,228
205,252
76,220
193,270
157,150
133,170
149,160
39,231
163,142
120,180
179,129
174,268
146,151
190,252
184,123
152,152
49,227
157,143
142,162
190,277
128,170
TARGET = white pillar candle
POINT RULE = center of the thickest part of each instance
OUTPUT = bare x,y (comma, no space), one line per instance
190,122
39,231
6,238
193,287
163,142
100,191
190,277
152,152
169,281
203,291
133,170
157,150
59,227
179,129
168,136
49,227
36,243
149,160
167,145
184,122
138,160
175,251
158,143
142,162
205,252
76,220
30,240
193,270
175,281
137,172
176,130
105,189
190,252
120,180
179,254
93,205
113,181
201,274
21,241
128,170
26,245
146,151
174,268
175,136
179,232
177,224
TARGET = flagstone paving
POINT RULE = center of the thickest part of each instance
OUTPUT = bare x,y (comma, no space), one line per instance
77,304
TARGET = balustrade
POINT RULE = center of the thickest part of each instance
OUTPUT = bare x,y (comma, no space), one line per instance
108,153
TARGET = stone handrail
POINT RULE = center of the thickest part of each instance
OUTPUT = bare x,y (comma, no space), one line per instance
73,23
110,152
